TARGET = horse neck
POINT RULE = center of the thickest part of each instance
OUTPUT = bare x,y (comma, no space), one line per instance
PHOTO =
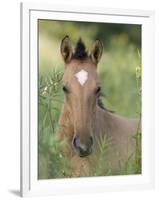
103,121
111,124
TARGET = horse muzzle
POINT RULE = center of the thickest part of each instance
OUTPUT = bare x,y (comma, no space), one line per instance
82,149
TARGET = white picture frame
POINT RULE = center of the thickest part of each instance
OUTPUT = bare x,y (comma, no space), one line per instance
30,185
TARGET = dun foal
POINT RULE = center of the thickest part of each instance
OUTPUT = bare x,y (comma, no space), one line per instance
83,118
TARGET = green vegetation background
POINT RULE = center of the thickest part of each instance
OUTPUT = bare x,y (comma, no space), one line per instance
117,71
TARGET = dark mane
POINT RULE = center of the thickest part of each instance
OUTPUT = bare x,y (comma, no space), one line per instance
80,50
101,105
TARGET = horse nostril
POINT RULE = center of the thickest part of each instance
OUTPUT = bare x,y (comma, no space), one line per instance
74,142
91,140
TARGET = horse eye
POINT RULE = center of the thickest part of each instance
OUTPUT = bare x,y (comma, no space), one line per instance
65,89
98,90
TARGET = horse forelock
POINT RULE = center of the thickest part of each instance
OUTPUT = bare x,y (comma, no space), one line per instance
80,50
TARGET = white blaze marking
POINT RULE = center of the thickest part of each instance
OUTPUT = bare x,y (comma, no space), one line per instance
82,76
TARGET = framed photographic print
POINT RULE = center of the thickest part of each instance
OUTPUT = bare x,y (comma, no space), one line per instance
87,90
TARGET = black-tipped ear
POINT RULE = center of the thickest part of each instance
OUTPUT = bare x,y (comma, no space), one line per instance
66,49
96,51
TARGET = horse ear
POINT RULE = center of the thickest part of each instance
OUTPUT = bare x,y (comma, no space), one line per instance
96,51
66,49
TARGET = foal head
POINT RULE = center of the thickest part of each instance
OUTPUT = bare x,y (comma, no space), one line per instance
81,87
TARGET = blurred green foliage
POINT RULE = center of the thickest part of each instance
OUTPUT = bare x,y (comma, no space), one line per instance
120,74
